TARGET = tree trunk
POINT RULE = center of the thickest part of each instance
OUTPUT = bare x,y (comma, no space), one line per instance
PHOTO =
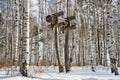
119,33
17,32
111,41
26,53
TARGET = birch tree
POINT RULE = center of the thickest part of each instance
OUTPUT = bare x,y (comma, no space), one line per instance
118,31
26,54
111,40
17,30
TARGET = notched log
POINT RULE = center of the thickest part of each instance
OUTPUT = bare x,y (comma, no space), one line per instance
54,17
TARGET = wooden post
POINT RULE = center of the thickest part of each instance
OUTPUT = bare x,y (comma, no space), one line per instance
57,52
66,50
53,19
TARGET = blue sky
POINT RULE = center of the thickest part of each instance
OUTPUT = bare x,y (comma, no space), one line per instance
48,0
2,5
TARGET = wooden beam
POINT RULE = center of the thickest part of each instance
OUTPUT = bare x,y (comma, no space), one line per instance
53,18
70,18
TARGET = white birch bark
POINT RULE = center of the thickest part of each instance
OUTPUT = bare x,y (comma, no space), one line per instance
111,40
17,30
118,31
26,31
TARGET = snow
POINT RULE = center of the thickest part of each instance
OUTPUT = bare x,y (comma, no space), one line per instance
51,73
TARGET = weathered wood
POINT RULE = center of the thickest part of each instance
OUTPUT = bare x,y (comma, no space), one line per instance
54,17
67,59
66,49
57,52
70,18
73,26
63,26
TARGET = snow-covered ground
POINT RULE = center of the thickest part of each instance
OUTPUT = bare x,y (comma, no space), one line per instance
51,73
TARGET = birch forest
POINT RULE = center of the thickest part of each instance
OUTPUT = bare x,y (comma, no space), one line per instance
62,33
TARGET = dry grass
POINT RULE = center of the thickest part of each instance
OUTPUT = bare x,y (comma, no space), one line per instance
39,69
44,62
